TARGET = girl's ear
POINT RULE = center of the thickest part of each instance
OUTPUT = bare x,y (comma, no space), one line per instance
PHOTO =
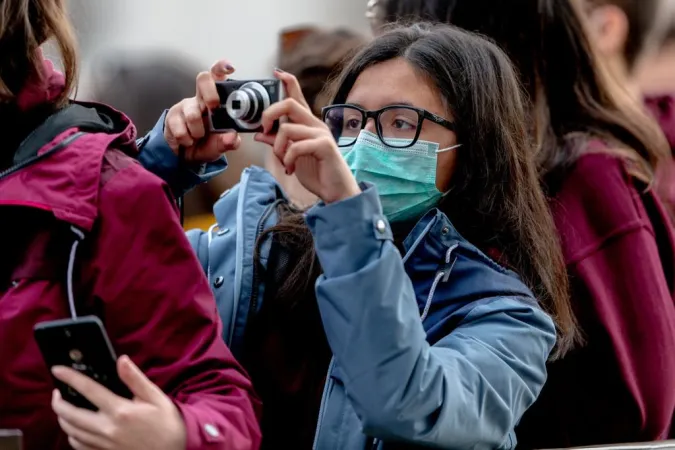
608,27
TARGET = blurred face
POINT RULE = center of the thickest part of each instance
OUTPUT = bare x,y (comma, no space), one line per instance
655,76
608,29
374,13
395,82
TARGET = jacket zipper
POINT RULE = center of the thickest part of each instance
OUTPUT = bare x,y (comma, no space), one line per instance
444,275
253,304
25,163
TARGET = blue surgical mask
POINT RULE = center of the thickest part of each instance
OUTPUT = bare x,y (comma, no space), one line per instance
405,177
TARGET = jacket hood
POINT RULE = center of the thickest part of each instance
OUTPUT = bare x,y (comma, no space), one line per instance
57,168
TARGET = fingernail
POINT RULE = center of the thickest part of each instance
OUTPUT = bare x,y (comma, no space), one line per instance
229,67
276,69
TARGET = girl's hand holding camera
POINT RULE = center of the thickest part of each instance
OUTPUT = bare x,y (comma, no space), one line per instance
303,145
187,124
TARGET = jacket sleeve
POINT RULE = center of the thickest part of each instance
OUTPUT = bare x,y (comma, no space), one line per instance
157,157
626,292
467,391
159,310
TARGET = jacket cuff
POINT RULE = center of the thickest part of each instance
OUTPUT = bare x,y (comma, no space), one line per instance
157,157
350,233
200,432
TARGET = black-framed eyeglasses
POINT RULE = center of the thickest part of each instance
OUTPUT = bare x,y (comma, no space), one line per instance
397,126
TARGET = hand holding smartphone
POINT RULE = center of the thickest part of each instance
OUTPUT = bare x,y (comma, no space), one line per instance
81,344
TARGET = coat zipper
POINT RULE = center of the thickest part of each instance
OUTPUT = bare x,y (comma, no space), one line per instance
442,275
27,162
253,304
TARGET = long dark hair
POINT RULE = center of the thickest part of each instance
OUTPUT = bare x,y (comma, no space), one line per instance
495,202
572,95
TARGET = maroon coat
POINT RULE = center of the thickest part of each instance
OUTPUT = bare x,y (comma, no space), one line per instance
136,271
619,247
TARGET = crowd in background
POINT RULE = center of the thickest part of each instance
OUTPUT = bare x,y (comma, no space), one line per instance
485,259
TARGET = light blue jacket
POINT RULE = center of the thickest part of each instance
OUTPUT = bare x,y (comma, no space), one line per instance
440,347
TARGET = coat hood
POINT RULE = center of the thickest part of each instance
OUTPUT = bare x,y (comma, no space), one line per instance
57,168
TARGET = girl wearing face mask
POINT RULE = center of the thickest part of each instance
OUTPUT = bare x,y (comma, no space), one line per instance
598,154
410,304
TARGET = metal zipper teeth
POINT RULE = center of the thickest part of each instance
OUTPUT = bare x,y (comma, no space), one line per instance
253,304
23,164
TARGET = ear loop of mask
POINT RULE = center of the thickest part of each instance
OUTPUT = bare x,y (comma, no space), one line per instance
443,150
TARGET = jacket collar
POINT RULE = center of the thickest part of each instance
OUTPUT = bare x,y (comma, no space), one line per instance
474,274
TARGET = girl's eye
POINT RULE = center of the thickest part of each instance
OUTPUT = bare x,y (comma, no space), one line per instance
403,124
353,124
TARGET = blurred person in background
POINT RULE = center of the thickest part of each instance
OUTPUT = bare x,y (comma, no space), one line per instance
86,230
419,331
597,154
637,39
656,80
315,54
145,84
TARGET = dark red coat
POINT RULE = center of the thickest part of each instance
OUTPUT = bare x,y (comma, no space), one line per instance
619,247
136,270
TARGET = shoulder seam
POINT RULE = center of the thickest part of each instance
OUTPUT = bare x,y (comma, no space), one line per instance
619,233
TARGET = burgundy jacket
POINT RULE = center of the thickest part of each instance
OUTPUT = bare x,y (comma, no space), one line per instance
136,271
619,247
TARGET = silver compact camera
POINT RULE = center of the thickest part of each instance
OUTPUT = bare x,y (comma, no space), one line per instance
242,104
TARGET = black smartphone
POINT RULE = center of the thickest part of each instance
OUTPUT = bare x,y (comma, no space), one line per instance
83,345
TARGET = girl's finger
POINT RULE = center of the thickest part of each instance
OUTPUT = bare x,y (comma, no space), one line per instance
178,130
291,109
291,86
292,132
83,436
230,141
265,138
80,418
297,150
193,119
221,69
207,93
77,445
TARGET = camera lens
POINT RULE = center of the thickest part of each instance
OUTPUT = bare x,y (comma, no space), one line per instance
75,355
247,104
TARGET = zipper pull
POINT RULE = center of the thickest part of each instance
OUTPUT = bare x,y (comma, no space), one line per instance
450,260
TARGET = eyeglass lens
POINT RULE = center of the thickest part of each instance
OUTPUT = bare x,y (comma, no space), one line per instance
396,126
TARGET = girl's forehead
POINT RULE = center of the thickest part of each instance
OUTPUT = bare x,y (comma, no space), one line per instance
395,82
